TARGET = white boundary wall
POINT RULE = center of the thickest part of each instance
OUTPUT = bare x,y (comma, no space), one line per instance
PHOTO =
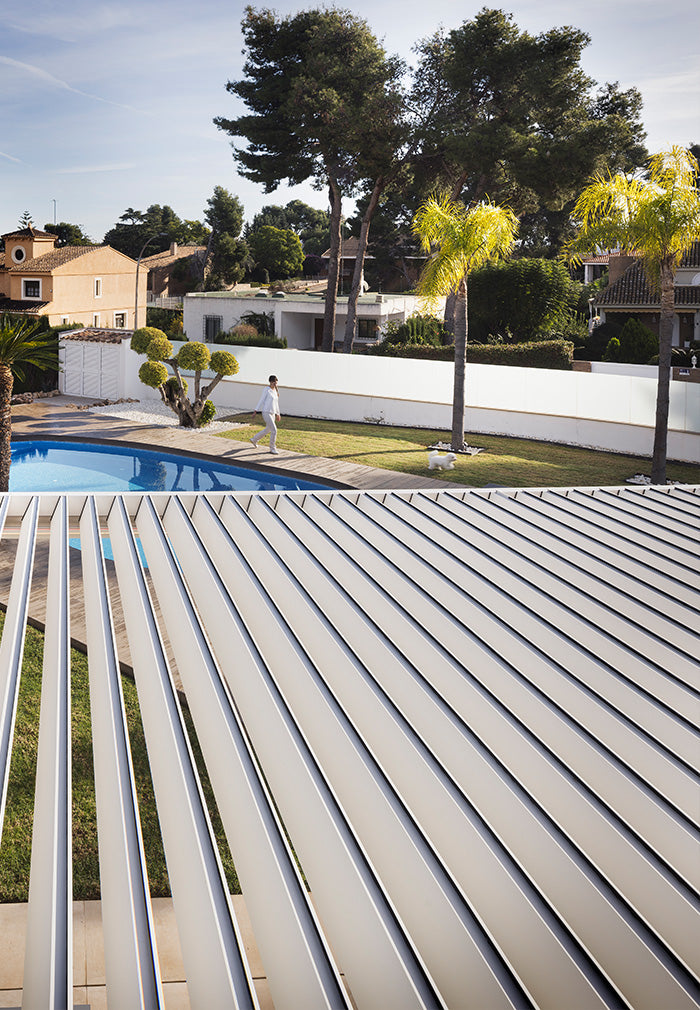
606,411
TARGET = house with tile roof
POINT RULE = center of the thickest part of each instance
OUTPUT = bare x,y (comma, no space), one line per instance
173,272
630,294
93,285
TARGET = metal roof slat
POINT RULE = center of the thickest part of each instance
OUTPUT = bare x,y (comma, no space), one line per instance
298,964
648,514
337,669
508,537
217,969
48,958
667,977
573,612
611,778
539,522
368,939
446,830
131,958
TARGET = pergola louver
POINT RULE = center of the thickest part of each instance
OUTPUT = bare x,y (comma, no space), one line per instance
471,715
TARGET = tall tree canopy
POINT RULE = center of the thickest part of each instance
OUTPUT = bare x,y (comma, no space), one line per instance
309,223
162,224
277,250
514,115
228,255
314,85
68,234
658,219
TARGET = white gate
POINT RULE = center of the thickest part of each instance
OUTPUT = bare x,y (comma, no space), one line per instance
90,369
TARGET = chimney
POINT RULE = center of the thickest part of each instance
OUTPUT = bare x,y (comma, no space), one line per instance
173,248
617,264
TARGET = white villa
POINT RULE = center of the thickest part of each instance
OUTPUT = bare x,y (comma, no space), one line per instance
298,317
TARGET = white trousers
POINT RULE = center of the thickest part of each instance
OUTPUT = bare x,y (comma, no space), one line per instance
270,429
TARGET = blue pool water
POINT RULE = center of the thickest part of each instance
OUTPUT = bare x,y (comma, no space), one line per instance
78,466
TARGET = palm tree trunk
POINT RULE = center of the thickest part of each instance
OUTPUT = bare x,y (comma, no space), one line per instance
6,382
351,317
663,390
458,395
333,267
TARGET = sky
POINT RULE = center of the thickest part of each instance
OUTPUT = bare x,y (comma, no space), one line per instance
105,106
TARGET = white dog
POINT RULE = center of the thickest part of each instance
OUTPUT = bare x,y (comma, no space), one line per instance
438,462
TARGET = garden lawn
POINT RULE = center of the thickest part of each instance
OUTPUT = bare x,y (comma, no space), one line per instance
508,462
15,849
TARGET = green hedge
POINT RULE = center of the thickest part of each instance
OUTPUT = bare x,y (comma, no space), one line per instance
259,340
540,354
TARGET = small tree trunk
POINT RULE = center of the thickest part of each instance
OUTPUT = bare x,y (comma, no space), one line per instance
458,396
6,383
450,306
663,389
333,267
351,318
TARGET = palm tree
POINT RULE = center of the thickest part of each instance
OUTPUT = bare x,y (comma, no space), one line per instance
17,349
460,239
656,218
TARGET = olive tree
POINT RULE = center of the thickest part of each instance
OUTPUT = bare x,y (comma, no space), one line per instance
192,356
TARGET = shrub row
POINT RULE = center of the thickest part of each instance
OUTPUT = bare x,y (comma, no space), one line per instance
251,340
539,354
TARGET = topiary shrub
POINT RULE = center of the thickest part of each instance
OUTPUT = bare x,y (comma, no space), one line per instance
208,414
557,354
417,329
612,351
193,356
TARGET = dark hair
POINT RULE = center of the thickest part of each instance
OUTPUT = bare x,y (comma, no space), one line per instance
273,378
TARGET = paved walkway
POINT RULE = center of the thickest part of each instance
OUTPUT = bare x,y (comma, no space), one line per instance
59,417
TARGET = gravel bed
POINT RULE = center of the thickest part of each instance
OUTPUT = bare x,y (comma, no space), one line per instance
159,414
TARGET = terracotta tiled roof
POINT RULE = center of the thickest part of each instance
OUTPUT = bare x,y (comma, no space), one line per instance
47,262
692,257
633,288
93,335
164,258
14,305
30,232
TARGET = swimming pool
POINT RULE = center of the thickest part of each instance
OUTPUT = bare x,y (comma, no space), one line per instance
83,466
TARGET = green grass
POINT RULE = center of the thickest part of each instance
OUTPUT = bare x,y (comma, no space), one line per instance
509,462
15,849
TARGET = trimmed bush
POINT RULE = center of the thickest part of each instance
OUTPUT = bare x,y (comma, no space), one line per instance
637,343
259,340
417,329
153,374
207,415
223,363
143,336
194,356
159,349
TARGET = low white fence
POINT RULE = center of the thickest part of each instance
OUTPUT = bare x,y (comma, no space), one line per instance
606,411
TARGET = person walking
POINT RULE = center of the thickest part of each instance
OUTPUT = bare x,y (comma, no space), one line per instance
269,407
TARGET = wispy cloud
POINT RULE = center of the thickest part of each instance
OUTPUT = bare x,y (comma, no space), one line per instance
56,82
10,158
89,169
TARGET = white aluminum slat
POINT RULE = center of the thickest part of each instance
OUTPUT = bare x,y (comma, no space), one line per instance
645,622
651,548
298,965
366,936
565,614
654,819
654,515
456,830
218,975
423,700
434,909
601,553
131,959
48,958
556,567
12,644
540,856
663,505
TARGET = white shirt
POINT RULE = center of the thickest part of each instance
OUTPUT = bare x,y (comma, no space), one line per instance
269,402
